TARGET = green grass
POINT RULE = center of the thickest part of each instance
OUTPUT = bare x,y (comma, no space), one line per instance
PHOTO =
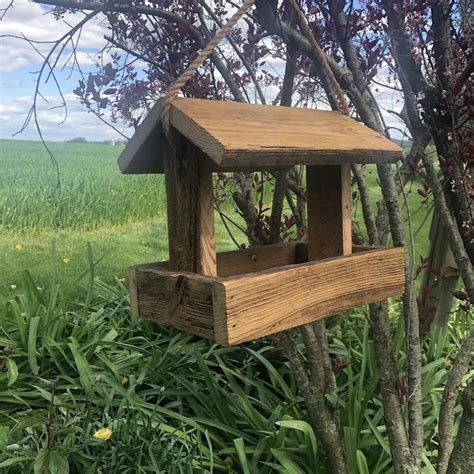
73,360
416,211
93,192
176,403
124,217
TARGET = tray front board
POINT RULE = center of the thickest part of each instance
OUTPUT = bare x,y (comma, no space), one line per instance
235,309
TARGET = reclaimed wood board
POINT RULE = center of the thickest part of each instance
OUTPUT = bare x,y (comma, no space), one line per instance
238,262
257,259
176,299
240,136
268,302
329,200
235,309
190,209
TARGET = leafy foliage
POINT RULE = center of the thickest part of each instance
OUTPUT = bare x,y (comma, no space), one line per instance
175,403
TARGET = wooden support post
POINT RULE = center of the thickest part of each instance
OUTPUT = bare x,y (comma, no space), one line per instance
190,206
329,211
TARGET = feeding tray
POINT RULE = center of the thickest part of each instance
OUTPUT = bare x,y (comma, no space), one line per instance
233,297
262,291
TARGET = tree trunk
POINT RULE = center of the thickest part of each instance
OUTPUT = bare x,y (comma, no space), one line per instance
462,457
439,281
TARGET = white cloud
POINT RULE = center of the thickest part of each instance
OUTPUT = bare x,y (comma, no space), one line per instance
79,123
31,21
18,58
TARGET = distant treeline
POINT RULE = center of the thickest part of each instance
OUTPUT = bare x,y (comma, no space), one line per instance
103,142
405,144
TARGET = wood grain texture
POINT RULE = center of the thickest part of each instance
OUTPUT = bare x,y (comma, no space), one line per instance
240,136
275,300
329,211
239,262
257,259
232,310
190,209
132,291
143,152
206,235
181,300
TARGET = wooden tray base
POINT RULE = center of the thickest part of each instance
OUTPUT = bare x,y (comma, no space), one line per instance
263,291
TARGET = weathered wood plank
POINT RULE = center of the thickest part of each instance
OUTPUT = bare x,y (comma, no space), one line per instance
190,208
206,237
240,136
143,153
275,300
238,262
235,309
329,211
228,131
181,300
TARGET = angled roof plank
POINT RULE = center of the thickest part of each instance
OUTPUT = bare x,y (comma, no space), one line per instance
249,136
141,154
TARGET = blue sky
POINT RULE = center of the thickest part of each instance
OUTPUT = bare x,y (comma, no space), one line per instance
18,63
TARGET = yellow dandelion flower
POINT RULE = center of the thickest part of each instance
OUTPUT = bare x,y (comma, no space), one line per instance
18,247
67,260
125,381
103,433
13,287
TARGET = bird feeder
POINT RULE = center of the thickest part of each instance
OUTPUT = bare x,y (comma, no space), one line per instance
233,297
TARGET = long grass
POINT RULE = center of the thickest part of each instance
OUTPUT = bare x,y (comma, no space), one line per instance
92,192
175,403
72,362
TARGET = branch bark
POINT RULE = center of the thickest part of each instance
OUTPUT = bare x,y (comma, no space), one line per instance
446,415
412,76
319,414
462,458
281,176
402,456
403,461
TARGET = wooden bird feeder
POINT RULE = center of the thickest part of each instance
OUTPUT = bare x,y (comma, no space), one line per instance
233,297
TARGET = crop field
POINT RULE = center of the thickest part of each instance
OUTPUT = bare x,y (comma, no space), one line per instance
85,387
123,217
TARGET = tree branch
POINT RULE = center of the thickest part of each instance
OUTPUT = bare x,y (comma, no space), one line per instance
236,48
462,457
118,7
280,176
318,411
446,415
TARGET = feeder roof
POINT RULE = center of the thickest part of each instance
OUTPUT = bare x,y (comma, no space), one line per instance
247,136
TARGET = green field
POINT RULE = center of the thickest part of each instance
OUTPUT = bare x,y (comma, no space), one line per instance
123,217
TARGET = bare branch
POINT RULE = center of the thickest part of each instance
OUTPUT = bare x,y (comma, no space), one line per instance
446,415
3,11
236,48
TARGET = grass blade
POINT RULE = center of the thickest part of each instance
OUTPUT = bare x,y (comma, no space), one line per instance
32,335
